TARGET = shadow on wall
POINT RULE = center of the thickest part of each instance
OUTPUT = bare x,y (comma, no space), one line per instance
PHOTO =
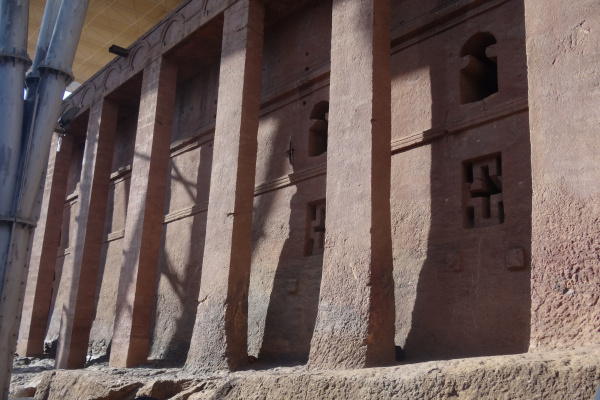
293,304
284,298
178,281
473,293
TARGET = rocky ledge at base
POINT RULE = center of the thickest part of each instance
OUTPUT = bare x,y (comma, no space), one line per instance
573,374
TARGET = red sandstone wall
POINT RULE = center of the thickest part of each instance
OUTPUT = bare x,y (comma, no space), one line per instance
285,281
563,54
455,296
112,247
182,242
59,292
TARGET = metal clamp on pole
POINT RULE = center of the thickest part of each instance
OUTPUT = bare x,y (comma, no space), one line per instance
59,71
15,56
18,220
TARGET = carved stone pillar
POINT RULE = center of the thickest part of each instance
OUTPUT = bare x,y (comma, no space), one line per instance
81,275
355,321
220,334
38,292
137,283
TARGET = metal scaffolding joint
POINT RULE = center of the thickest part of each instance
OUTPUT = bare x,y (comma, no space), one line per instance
24,58
18,220
59,71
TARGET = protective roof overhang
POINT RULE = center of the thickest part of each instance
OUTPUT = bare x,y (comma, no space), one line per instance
108,22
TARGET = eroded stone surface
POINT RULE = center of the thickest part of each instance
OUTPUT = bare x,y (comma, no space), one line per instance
221,328
552,375
354,326
462,287
562,55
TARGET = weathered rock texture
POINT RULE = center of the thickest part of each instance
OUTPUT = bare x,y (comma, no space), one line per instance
564,98
81,273
488,179
355,321
137,281
34,317
554,375
221,329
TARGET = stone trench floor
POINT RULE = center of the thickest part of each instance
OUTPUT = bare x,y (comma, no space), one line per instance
561,375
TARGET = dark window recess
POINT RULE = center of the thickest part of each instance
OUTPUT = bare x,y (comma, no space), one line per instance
315,228
479,73
317,135
483,203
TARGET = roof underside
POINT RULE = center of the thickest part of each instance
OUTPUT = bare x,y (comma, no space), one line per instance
108,22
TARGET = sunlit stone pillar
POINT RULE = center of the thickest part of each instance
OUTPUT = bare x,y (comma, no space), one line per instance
220,333
81,274
355,321
38,292
141,244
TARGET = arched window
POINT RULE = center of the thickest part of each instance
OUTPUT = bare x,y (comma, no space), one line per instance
317,135
479,75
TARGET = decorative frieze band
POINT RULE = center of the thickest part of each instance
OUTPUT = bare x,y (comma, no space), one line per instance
180,23
192,14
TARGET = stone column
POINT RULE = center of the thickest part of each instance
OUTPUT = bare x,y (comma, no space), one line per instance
145,211
563,55
81,274
220,337
38,292
355,321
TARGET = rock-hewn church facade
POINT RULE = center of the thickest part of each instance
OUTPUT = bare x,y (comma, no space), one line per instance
320,181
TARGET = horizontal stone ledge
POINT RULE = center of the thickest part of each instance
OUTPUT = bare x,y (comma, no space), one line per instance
73,196
301,86
516,106
204,135
193,139
437,20
116,235
185,212
121,174
64,252
291,179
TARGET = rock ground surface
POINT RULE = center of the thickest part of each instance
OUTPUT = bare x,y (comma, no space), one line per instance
573,374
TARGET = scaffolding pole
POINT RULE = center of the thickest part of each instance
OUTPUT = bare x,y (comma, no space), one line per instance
54,76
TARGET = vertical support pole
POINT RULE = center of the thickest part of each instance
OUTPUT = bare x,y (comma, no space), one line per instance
38,292
355,321
14,17
81,274
220,333
137,283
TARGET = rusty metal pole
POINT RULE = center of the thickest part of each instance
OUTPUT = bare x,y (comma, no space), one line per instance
55,74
